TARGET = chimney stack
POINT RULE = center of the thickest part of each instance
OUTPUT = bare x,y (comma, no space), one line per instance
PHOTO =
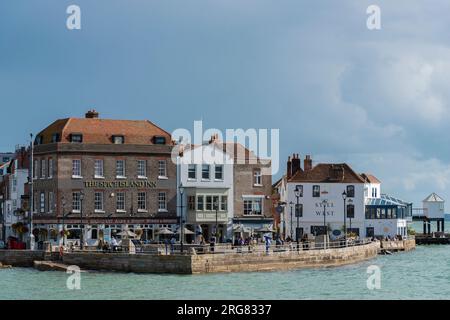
91,114
307,164
289,168
296,166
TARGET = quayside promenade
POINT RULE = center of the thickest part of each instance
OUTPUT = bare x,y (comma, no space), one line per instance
198,260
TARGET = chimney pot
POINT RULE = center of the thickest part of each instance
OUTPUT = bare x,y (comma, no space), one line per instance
91,114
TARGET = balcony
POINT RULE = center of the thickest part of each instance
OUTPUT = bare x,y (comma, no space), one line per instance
207,216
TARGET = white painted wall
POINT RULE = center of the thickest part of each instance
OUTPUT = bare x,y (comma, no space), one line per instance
313,209
434,209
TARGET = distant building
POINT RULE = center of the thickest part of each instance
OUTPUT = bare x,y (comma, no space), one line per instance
312,199
102,176
231,181
434,210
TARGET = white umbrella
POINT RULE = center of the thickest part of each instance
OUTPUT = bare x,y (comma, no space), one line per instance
127,233
164,231
185,231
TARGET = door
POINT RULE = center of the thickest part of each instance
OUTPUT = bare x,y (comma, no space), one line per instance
370,232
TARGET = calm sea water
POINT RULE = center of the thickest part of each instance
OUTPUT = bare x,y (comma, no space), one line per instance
420,274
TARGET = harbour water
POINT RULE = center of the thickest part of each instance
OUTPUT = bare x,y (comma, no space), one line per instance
423,273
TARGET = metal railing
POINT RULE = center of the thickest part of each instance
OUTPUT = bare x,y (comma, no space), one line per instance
196,249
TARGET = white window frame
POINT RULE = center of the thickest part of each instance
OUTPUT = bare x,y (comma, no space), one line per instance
43,168
162,201
253,200
42,202
123,173
120,195
51,201
215,172
144,167
35,169
101,169
144,201
99,205
50,168
76,202
209,172
162,169
74,167
194,167
223,204
257,177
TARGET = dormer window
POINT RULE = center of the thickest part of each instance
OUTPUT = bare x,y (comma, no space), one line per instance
38,140
118,139
56,138
159,140
76,138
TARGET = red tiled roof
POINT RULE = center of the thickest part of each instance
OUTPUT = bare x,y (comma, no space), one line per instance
329,173
100,131
370,178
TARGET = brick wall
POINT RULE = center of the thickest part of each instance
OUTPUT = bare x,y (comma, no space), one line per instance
20,258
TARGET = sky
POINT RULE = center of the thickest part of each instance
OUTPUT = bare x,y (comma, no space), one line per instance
376,99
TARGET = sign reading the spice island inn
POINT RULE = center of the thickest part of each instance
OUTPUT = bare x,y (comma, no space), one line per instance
120,184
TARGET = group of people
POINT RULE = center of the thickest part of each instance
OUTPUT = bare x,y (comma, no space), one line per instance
105,246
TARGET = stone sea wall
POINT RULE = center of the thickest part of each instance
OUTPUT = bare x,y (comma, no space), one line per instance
283,260
20,258
139,263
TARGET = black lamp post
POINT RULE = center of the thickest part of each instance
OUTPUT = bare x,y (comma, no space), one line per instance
181,188
216,205
81,221
291,204
297,215
63,216
344,196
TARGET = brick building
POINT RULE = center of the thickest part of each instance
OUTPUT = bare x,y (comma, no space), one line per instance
102,176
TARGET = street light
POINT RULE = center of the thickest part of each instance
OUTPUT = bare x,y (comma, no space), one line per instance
297,215
181,188
291,204
63,216
344,196
81,220
216,205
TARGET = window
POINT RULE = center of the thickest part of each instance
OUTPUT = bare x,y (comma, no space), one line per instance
159,140
223,203
374,192
51,201
257,178
35,169
209,204
142,169
205,171
300,189
98,168
162,170
162,203
76,168
252,207
142,201
14,185
120,201
50,167
200,203
120,168
98,201
316,191
298,210
216,204
38,140
191,202
43,173
55,138
76,138
192,171
76,202
42,203
350,191
218,171
118,139
350,211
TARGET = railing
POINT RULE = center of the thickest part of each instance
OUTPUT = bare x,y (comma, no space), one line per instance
225,248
